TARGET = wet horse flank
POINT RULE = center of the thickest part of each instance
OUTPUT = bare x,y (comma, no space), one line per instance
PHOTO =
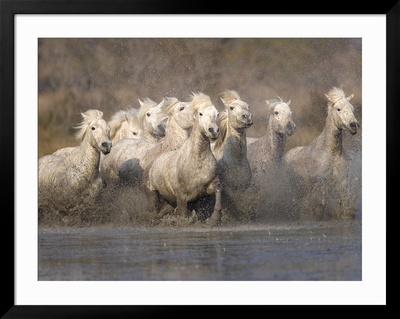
230,149
190,172
321,168
69,185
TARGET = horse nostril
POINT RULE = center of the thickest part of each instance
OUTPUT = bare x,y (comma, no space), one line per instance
211,130
106,144
354,125
244,116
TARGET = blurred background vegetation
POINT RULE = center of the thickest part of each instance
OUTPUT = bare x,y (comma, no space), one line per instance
77,74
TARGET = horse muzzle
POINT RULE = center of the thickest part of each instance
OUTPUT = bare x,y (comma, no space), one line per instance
106,147
213,133
290,128
247,120
353,127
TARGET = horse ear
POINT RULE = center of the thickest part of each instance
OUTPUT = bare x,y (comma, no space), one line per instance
288,103
350,97
140,102
223,101
268,102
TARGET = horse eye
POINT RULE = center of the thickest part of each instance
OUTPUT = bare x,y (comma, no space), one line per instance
134,133
276,112
201,114
148,114
93,128
338,109
232,108
182,108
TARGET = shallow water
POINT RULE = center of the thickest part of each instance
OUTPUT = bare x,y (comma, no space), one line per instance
299,251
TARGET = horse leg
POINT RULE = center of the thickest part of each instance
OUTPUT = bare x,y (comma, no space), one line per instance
216,188
182,206
153,199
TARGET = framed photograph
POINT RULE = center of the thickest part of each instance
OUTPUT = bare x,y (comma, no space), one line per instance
61,58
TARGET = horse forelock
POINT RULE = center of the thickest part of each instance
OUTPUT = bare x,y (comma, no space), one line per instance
335,94
229,96
200,100
121,116
271,104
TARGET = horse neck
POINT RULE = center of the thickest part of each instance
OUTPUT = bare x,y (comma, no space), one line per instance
331,137
235,141
198,143
87,159
273,145
175,135
147,136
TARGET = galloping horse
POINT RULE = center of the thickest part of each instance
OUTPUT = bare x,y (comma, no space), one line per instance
230,149
321,168
70,184
189,172
265,155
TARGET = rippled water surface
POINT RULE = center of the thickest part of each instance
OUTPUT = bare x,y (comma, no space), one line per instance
277,252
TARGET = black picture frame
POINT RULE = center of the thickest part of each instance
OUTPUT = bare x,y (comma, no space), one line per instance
9,8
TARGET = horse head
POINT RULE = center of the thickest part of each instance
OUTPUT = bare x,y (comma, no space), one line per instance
238,111
153,119
125,124
206,115
342,111
180,112
280,116
132,128
95,130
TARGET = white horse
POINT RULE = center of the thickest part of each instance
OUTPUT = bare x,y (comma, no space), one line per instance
70,185
190,172
271,147
265,155
230,149
320,169
128,159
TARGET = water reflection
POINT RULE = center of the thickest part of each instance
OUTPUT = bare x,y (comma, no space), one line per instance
313,251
